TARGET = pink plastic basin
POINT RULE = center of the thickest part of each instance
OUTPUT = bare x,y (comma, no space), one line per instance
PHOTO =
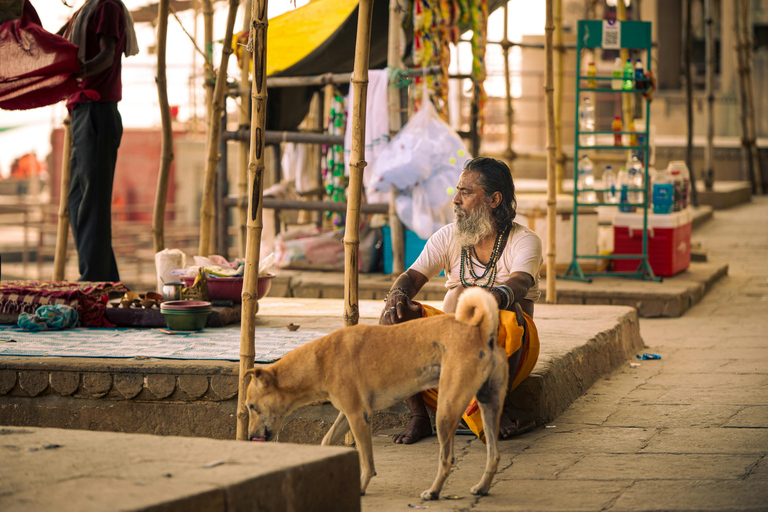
231,288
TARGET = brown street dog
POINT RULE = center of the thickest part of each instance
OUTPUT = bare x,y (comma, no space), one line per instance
365,368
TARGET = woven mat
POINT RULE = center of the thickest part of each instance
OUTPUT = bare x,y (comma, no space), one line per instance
219,344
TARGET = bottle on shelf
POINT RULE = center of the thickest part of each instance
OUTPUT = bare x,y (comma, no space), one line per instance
617,126
663,192
639,75
611,195
591,71
636,179
586,180
618,70
629,76
633,134
622,184
587,122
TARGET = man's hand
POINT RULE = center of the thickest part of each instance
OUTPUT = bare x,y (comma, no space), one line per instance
399,308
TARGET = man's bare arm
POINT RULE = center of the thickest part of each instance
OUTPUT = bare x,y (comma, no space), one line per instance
519,283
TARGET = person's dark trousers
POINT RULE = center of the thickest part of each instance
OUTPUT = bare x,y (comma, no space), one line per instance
96,132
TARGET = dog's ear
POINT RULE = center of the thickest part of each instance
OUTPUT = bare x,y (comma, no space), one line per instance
261,377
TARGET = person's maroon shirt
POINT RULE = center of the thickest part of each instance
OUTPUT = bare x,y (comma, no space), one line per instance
107,20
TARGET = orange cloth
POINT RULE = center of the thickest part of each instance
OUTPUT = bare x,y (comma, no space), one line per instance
510,339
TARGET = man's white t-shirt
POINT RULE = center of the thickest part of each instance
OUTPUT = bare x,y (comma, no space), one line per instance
522,253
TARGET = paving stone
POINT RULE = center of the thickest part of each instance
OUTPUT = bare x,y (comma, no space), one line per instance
589,439
669,416
7,381
699,495
129,385
97,384
65,383
712,440
750,417
161,385
33,382
546,495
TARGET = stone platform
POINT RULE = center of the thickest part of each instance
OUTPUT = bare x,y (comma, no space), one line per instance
579,344
81,471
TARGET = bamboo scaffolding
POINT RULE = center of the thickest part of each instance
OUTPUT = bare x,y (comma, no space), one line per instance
549,28
209,84
689,100
259,25
166,143
244,123
396,231
746,28
62,232
559,54
207,209
709,172
356,162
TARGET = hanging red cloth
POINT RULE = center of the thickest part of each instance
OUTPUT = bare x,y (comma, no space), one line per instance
36,67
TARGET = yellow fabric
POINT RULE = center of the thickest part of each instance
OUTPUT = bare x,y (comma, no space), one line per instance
511,339
295,34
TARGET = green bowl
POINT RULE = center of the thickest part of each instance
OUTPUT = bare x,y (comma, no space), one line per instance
186,320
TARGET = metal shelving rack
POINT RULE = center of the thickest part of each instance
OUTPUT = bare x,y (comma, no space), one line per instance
634,35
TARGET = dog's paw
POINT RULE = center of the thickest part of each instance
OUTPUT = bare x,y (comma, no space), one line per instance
479,490
429,495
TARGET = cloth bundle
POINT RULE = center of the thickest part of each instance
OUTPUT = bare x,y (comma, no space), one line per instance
58,316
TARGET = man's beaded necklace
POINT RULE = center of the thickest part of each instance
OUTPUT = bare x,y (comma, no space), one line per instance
490,268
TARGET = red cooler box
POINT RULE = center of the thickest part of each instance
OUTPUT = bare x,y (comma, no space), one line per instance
669,241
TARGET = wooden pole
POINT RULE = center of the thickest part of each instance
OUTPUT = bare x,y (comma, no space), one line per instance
509,153
208,63
256,188
746,28
244,122
549,27
709,171
559,54
207,210
62,232
689,99
356,162
166,143
626,98
745,89
396,230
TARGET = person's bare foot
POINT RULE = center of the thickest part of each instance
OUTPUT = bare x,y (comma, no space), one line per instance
511,427
417,428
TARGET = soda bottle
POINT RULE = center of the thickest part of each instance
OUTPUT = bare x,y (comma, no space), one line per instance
639,75
591,71
616,126
609,184
629,75
586,180
617,72
633,135
587,122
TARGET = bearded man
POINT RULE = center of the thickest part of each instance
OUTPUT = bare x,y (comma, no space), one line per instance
486,248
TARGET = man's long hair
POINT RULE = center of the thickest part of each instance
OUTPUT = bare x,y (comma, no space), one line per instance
496,176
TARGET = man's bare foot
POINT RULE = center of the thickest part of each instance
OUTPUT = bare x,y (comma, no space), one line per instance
511,427
418,427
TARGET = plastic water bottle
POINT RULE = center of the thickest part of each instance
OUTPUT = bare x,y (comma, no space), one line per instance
629,75
637,179
685,182
663,192
639,75
623,183
618,70
587,122
591,71
586,180
611,194
677,182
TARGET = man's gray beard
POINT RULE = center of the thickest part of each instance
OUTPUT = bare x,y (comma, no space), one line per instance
472,228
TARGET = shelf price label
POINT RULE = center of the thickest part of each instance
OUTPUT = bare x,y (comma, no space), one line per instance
611,35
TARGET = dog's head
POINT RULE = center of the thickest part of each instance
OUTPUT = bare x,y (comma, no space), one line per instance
265,404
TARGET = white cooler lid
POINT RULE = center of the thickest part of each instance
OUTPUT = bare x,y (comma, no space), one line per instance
655,220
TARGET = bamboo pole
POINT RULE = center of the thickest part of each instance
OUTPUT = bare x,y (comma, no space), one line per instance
746,28
356,162
559,50
166,144
244,121
709,172
255,225
689,100
745,89
626,98
208,64
549,27
509,154
62,232
207,209
396,231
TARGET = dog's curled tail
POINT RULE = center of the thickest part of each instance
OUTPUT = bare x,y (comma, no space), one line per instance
478,307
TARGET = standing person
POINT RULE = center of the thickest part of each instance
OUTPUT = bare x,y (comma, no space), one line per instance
103,30
486,248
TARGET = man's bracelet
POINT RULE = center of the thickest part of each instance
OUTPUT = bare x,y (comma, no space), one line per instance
508,296
396,288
